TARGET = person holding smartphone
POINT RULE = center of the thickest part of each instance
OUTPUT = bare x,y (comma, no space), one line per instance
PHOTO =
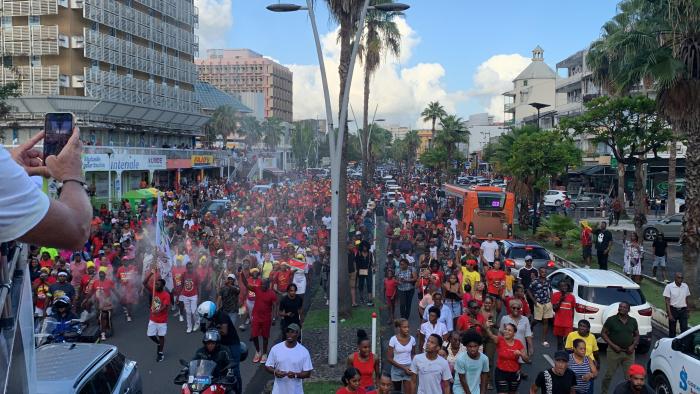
26,213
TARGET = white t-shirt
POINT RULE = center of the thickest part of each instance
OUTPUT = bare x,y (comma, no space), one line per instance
283,358
299,279
427,329
22,204
402,354
489,249
453,224
677,294
430,373
326,222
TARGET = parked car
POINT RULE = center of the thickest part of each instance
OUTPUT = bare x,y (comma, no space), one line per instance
215,206
598,294
670,226
261,188
674,363
85,368
587,200
514,253
554,198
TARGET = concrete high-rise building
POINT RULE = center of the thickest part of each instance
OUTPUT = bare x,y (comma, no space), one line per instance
121,67
482,129
249,76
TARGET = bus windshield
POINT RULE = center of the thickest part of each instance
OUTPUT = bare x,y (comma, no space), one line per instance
491,201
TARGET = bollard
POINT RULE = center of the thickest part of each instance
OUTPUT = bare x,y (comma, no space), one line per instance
374,332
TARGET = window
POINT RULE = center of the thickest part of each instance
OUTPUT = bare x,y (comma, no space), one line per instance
525,82
558,277
611,294
691,345
34,20
112,32
105,380
36,61
7,61
536,253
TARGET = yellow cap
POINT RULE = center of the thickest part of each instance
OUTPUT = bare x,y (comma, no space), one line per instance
103,269
90,264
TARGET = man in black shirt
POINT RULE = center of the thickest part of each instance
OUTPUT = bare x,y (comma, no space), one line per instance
291,309
215,318
603,244
526,275
557,380
660,245
634,383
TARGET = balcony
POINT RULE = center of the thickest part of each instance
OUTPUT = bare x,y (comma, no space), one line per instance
30,7
570,109
562,83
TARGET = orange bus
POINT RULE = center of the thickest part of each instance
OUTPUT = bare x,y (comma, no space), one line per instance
482,210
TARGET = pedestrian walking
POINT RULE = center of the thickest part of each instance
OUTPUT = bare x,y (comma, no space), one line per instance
289,362
366,363
227,299
586,242
390,293
401,350
522,324
430,327
617,210
431,373
541,291
556,380
158,319
634,253
603,244
291,309
583,332
351,382
261,318
621,333
583,366
635,383
660,246
676,296
445,311
510,351
407,287
471,367
563,303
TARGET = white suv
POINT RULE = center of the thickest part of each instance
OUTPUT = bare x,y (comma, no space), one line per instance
674,364
554,198
598,294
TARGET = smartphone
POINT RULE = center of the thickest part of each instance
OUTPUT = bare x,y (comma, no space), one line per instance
58,127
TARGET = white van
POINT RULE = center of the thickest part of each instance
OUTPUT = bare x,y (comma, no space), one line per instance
674,364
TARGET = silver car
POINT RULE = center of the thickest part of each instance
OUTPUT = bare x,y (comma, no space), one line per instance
85,368
670,226
514,253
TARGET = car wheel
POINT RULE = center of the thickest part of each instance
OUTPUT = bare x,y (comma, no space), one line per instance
650,233
557,203
661,385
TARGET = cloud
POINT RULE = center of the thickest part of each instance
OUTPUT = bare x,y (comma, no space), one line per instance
215,19
401,92
495,76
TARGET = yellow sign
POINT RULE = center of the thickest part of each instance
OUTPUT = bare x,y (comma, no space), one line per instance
202,160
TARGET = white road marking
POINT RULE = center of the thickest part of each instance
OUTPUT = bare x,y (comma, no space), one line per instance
549,359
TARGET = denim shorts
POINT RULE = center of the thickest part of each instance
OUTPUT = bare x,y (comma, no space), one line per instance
398,374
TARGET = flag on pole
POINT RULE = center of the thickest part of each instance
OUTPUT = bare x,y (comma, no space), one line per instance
298,264
164,256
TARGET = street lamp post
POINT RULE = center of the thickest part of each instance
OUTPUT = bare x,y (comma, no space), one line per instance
336,146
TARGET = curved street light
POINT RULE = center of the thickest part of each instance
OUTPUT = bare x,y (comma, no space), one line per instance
284,7
390,7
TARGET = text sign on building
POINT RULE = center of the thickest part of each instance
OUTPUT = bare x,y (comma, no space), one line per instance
202,160
100,162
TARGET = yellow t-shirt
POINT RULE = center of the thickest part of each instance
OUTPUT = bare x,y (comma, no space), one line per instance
266,269
470,277
591,343
509,283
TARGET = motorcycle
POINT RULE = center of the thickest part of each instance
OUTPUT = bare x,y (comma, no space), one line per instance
197,378
52,331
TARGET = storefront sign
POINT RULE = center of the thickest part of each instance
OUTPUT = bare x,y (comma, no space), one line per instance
202,160
100,162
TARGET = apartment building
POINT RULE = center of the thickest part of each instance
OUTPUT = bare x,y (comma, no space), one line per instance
125,68
260,83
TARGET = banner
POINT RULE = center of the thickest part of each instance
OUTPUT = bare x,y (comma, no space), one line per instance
202,161
163,247
101,161
294,263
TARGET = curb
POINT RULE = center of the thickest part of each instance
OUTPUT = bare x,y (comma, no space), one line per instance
659,317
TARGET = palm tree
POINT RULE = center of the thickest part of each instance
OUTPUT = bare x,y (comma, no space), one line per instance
272,132
250,127
656,43
382,35
432,113
221,124
453,132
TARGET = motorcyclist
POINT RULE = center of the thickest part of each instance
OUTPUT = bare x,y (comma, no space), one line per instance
213,318
214,351
62,314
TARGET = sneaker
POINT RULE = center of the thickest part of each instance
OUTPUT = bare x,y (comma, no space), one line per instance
545,344
128,318
181,318
189,330
247,321
242,327
326,302
103,337
160,357
263,359
256,359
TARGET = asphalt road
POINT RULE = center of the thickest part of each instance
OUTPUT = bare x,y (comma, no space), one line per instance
130,338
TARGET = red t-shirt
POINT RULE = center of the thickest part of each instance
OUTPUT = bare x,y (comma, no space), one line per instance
493,276
344,390
390,287
159,307
103,288
284,278
177,276
255,284
190,284
86,282
506,360
263,304
564,316
464,324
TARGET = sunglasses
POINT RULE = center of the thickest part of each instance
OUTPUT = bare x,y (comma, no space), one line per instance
515,307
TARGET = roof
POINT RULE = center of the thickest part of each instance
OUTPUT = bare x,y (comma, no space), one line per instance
63,364
601,278
536,70
211,98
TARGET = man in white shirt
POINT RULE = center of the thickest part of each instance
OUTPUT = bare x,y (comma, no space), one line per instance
445,311
290,362
489,250
676,295
432,326
430,372
452,221
326,221
26,213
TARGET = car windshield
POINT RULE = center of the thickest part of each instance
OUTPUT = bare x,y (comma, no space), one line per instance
611,294
536,253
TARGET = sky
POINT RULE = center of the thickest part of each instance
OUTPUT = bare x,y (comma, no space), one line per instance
463,53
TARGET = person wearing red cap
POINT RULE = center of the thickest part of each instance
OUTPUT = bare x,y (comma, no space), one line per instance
635,383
